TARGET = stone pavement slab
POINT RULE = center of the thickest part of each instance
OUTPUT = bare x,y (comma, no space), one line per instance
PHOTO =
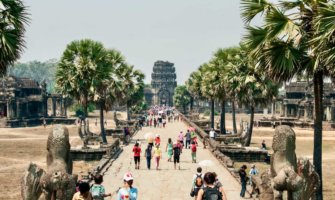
166,183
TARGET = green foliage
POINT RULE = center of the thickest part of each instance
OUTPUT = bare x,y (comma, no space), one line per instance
79,109
38,71
182,97
208,112
13,18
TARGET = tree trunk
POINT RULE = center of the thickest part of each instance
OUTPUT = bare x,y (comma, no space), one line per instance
191,104
212,113
85,105
317,153
128,113
251,125
184,109
234,116
223,118
102,120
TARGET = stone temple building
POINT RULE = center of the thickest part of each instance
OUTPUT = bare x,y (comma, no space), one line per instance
25,102
163,83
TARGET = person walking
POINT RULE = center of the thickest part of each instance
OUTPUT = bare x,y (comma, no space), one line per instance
210,191
243,177
148,155
157,139
253,172
181,137
212,134
197,182
176,154
169,149
98,190
194,152
188,139
137,155
127,192
158,155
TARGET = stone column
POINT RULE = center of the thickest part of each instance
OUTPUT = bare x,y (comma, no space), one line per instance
18,109
306,112
273,108
9,110
53,106
328,113
285,110
27,110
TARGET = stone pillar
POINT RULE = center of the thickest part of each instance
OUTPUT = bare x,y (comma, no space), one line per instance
18,110
306,112
53,106
328,114
285,110
9,110
27,110
273,108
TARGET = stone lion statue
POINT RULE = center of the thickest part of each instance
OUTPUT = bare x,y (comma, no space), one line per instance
57,181
297,177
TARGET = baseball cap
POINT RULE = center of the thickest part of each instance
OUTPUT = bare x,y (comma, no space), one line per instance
128,176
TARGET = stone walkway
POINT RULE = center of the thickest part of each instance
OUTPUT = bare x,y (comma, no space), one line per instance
166,183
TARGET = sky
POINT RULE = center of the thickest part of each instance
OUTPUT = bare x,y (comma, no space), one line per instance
184,32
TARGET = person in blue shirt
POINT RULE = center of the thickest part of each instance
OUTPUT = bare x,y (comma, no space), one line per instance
127,192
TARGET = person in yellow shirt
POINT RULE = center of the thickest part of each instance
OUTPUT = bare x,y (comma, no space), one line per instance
84,192
158,155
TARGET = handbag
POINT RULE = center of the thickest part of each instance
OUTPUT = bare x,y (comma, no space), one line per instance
192,193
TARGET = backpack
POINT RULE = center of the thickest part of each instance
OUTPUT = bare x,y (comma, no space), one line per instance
198,181
194,148
212,194
176,151
96,192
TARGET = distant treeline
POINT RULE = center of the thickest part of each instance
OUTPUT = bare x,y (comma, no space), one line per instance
39,71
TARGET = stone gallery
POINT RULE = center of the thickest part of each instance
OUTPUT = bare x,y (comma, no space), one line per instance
24,101
163,83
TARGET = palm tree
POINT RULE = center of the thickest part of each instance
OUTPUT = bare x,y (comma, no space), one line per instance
13,18
287,44
181,97
107,87
77,69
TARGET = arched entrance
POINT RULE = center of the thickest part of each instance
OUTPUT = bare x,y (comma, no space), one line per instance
164,98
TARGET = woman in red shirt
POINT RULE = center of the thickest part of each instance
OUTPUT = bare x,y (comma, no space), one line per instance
157,140
137,155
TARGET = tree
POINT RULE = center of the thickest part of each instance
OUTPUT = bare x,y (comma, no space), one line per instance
289,42
13,18
107,86
182,97
77,69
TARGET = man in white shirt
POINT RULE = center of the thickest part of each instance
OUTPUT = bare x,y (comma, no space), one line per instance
212,134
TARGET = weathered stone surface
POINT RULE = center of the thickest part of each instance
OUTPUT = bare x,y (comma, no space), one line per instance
56,182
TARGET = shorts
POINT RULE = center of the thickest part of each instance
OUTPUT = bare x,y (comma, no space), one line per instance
176,159
137,159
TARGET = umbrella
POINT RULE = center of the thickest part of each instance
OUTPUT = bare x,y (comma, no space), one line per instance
206,163
160,112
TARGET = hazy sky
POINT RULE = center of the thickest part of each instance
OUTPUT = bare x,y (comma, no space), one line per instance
185,32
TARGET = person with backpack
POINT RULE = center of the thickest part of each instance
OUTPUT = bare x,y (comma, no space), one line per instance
188,139
176,154
197,183
137,155
243,176
194,152
127,192
169,149
210,192
148,155
98,190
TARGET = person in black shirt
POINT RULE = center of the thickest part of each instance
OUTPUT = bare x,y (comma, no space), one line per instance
243,176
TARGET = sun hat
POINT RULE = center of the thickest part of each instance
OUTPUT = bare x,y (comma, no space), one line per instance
128,176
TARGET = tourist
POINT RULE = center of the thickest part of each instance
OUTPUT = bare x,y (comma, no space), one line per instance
157,139
137,154
253,172
126,135
158,155
212,134
151,141
150,121
187,138
148,155
155,122
164,122
194,152
169,149
263,145
127,192
176,154
243,177
181,137
197,183
44,123
98,190
210,191
84,192
106,123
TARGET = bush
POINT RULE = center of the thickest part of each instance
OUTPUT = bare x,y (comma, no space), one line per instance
208,112
79,110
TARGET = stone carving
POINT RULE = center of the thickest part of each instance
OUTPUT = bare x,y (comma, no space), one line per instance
56,182
297,177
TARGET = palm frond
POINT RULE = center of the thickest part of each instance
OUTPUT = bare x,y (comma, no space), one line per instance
251,8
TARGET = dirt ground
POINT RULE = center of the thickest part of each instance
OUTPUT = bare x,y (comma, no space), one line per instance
20,146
